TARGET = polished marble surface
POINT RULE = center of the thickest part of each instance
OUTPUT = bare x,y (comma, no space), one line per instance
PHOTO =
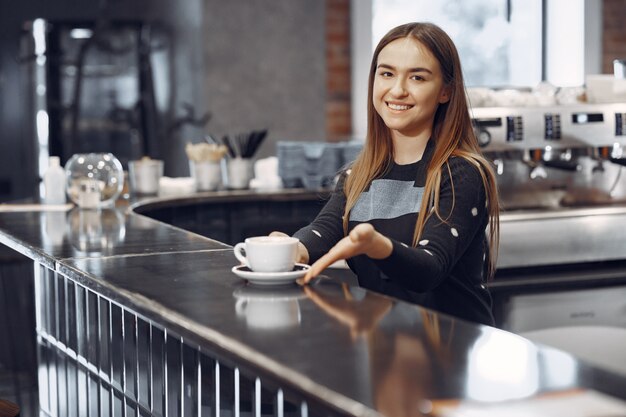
53,235
342,345
343,338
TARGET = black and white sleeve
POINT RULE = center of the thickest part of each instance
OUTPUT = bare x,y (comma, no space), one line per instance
327,228
463,209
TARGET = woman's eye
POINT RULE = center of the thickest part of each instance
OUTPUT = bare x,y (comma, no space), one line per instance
417,78
385,74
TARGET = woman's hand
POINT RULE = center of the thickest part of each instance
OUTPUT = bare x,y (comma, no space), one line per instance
362,240
303,253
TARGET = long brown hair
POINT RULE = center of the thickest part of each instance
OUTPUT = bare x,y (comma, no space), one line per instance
452,134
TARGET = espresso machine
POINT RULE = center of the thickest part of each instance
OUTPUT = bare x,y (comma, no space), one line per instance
556,157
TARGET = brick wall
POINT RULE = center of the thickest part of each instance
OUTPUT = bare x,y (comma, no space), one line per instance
338,118
614,33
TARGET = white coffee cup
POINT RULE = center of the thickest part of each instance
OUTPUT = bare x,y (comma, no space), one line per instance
268,253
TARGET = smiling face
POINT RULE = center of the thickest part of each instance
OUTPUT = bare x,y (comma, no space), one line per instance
408,88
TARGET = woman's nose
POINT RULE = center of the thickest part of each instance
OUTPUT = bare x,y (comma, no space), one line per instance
398,88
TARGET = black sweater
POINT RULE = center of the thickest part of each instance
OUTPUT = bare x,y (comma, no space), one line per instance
445,271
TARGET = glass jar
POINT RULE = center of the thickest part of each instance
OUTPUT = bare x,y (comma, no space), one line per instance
94,180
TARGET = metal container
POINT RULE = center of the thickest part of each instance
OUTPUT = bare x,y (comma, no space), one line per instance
144,175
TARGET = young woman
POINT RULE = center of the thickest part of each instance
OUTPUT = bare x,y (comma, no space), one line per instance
410,215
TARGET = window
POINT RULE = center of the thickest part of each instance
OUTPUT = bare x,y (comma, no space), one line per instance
499,41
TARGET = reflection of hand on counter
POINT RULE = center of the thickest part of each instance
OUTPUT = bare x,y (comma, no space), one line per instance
361,316
403,379
402,384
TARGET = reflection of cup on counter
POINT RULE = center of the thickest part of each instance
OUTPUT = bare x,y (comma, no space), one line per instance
144,175
268,253
263,309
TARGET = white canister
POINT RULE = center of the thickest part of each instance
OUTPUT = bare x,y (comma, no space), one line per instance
207,174
144,175
239,173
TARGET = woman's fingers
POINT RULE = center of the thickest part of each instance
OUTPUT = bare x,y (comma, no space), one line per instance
360,240
343,250
303,253
370,242
279,234
306,278
317,268
320,265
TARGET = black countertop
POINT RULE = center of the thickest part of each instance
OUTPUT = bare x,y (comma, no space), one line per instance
355,350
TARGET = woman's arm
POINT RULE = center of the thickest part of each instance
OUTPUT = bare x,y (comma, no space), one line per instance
463,207
362,240
441,244
327,229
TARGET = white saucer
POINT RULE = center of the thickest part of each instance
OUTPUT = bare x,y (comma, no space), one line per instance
271,278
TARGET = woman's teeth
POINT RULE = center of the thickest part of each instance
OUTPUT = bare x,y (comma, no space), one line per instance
398,106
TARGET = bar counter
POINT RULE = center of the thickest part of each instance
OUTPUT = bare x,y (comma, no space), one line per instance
136,317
